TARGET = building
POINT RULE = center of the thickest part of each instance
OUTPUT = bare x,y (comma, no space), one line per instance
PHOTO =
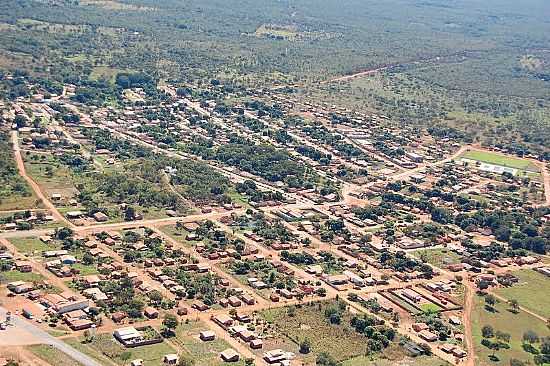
170,359
127,335
207,335
229,355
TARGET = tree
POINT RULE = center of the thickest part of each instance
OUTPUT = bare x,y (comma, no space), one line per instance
186,360
514,305
170,323
487,331
305,346
530,337
502,336
490,301
516,362
125,356
324,359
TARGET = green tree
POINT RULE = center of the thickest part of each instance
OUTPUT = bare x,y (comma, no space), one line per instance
170,323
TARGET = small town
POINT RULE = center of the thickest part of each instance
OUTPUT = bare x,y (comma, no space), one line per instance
280,183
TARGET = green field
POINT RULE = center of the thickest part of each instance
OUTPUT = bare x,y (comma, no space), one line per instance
340,341
499,159
52,355
12,276
531,292
107,350
29,245
439,257
205,353
505,321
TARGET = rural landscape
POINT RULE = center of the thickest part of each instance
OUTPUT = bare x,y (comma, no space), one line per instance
286,183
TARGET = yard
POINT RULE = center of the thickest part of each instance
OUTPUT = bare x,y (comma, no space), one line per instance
505,321
499,159
531,292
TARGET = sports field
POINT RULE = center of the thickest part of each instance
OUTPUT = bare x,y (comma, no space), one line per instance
500,159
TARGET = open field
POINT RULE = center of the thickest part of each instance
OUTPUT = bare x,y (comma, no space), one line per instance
104,347
31,244
531,292
340,341
505,321
52,355
12,276
439,257
499,159
187,338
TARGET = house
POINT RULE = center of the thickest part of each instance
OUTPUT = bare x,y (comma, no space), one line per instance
100,217
275,356
127,335
247,299
223,320
428,336
20,287
234,301
170,359
256,344
151,312
23,266
411,295
207,335
229,355
119,316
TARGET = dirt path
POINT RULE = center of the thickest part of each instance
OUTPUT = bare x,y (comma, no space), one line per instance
35,187
469,292
546,180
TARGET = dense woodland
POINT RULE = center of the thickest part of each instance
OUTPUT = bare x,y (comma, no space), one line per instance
463,65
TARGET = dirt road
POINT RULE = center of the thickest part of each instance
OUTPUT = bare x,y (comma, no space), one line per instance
469,293
35,187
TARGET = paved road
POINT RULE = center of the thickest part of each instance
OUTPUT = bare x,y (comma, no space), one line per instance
44,338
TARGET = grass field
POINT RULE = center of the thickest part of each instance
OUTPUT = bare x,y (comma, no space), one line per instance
505,321
104,348
439,257
531,292
12,276
430,308
205,353
29,245
394,356
52,355
499,159
340,341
